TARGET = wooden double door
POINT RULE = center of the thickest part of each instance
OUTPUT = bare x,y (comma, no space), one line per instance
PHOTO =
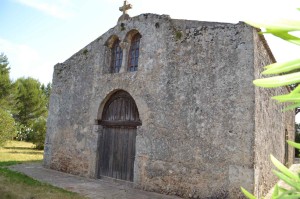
120,119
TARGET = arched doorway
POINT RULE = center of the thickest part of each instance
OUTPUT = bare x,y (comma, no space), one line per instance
120,119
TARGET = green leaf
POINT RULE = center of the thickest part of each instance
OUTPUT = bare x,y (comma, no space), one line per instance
279,25
294,144
275,192
295,196
247,194
292,107
288,37
289,194
287,180
296,90
283,169
277,81
288,98
281,189
278,68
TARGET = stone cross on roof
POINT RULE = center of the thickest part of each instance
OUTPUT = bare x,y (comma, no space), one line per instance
124,9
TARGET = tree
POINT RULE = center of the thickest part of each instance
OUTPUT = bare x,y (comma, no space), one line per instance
31,102
47,91
23,105
38,135
7,126
5,82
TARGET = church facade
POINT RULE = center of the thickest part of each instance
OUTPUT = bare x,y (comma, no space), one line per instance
169,106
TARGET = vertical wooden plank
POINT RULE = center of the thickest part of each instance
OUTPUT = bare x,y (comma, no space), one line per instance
121,141
121,114
125,152
106,151
101,153
116,154
133,152
111,150
102,156
122,135
129,154
104,164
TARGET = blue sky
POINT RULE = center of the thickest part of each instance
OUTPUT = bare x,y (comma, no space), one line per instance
37,34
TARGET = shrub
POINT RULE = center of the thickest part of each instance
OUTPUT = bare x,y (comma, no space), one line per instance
39,132
7,128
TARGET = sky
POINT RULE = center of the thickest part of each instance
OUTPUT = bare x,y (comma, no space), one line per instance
37,34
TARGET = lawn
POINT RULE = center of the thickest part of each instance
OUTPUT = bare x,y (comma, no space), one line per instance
14,185
20,151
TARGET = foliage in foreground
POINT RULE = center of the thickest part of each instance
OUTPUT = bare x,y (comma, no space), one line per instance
290,178
287,74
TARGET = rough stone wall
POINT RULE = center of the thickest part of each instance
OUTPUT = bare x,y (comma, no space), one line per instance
270,124
199,145
194,93
70,141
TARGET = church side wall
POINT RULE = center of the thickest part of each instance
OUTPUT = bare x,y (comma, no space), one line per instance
71,141
270,125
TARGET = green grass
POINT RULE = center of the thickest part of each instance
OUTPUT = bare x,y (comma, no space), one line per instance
20,152
14,185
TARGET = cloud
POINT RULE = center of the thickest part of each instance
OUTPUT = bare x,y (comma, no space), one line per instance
57,8
25,61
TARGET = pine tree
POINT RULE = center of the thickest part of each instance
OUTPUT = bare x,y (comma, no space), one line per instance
31,102
5,82
7,123
7,126
47,91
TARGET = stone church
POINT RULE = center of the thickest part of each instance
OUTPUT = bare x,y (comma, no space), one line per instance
168,105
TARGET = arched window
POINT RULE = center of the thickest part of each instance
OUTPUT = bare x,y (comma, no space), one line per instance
133,58
117,54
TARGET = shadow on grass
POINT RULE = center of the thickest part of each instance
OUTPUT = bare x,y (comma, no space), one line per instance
14,176
24,152
17,176
10,163
20,148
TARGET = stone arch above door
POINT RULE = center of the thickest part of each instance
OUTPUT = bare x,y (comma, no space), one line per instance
120,110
